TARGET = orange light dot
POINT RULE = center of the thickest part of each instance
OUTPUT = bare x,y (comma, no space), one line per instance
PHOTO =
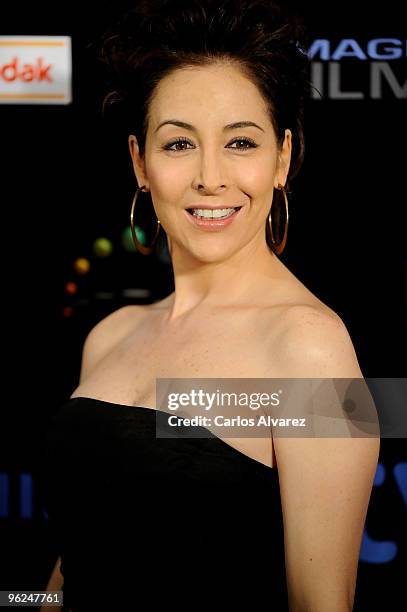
71,288
81,265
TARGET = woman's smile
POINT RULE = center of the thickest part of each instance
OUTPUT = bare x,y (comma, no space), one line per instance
214,219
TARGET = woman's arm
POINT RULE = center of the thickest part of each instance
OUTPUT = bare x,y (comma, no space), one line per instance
325,483
55,583
101,338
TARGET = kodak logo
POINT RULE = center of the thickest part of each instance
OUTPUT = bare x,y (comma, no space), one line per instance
27,72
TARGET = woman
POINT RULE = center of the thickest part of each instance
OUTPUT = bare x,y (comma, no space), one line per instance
213,96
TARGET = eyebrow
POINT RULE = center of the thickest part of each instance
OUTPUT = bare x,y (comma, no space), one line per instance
229,126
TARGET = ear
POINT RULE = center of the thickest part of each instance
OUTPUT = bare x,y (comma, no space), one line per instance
138,163
284,159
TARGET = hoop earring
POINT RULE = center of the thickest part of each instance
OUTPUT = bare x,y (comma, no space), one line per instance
279,248
145,250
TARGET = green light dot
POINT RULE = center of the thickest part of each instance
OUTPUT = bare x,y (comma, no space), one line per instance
127,238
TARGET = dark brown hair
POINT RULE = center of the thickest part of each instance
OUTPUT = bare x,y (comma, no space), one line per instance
269,44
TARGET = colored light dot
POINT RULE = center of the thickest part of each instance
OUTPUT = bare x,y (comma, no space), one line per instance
67,311
102,247
127,239
71,288
81,265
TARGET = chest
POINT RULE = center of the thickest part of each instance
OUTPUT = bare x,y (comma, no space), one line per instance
240,347
220,348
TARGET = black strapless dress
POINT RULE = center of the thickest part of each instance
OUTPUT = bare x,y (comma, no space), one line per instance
143,522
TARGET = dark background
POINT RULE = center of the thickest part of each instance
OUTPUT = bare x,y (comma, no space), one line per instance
66,180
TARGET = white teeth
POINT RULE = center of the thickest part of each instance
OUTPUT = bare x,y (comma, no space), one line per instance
217,213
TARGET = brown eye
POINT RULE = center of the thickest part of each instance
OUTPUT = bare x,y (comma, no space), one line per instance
248,141
169,145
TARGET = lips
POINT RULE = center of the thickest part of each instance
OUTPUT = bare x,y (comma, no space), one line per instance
212,224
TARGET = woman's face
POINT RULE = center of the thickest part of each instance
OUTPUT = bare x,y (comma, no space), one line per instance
213,165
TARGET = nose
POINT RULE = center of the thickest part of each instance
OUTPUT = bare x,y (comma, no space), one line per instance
210,188
210,178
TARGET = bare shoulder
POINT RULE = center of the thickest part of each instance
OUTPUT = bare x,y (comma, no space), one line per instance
315,343
108,333
325,482
119,322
